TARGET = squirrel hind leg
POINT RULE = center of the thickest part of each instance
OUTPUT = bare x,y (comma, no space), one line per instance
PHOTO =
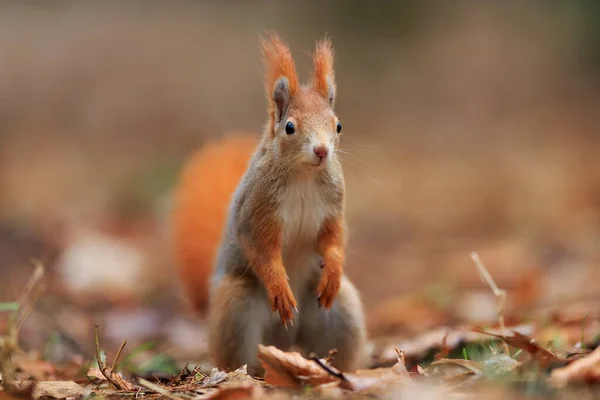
341,328
237,317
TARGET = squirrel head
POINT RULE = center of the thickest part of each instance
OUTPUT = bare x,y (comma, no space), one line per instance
303,128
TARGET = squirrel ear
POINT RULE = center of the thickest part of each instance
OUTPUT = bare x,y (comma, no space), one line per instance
281,80
281,96
324,79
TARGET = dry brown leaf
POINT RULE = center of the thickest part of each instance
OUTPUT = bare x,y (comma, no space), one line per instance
470,365
461,370
7,396
455,371
237,391
378,380
416,347
583,370
117,377
520,341
290,369
570,332
421,371
19,388
241,375
331,390
216,376
35,369
95,373
58,390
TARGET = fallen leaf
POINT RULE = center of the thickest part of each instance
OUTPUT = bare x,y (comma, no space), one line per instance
520,341
583,370
216,377
293,370
290,369
331,390
237,391
19,388
417,346
240,374
378,380
158,389
473,366
58,390
95,373
117,377
34,368
498,365
495,366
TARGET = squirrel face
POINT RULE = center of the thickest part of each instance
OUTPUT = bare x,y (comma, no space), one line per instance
303,127
307,132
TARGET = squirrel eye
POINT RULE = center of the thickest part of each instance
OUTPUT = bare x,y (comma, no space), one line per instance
289,128
338,128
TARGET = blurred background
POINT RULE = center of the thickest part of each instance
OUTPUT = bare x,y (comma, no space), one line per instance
471,126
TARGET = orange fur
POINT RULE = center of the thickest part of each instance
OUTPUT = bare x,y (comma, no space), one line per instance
278,63
287,215
323,64
203,193
331,246
268,265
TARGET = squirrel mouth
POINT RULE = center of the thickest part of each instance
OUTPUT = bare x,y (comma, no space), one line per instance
316,164
319,163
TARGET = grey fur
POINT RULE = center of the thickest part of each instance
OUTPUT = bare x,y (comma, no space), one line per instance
251,321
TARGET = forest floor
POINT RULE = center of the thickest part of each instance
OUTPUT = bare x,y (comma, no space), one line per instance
544,353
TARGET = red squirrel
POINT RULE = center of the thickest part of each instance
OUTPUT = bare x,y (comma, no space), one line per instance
278,277
206,184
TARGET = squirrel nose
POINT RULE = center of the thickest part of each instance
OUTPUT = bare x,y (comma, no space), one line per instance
321,151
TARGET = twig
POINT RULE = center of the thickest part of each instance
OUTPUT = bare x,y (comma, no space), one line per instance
400,355
158,389
500,294
38,273
9,342
101,365
27,300
27,309
329,370
331,355
116,361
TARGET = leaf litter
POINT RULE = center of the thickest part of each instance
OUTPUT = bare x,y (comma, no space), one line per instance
452,361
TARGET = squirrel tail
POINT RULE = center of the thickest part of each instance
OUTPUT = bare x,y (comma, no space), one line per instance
206,184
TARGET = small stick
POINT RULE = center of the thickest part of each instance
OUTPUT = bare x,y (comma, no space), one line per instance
329,370
116,361
38,273
158,389
500,294
101,364
9,343
331,355
27,299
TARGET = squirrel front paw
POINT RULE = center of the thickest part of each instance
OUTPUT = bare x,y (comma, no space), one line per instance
328,287
282,300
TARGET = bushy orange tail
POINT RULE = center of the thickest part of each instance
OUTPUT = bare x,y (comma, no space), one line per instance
202,197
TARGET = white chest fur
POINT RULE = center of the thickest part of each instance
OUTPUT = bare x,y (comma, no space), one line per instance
302,212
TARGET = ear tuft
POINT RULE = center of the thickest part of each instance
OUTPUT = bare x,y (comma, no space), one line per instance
324,79
278,64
